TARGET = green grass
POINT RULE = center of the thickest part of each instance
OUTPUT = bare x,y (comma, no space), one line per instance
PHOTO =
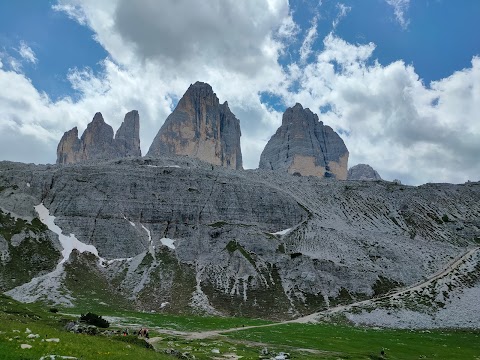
302,341
15,318
233,246
178,322
366,343
33,255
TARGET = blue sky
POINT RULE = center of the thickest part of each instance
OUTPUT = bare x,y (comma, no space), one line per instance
75,57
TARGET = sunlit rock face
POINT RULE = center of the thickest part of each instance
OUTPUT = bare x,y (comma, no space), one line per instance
202,128
303,145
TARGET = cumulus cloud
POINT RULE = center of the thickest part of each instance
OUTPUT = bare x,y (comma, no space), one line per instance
228,34
387,116
396,123
400,7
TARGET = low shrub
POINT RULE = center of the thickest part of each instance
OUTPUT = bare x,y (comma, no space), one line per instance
94,319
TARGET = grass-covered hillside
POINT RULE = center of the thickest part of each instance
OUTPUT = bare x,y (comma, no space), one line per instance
33,331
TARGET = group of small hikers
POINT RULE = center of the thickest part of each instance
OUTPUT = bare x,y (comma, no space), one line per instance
143,332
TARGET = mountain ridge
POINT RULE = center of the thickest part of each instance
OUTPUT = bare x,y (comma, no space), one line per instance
292,244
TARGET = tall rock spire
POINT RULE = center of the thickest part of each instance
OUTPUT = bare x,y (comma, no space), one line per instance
97,142
201,127
303,145
127,137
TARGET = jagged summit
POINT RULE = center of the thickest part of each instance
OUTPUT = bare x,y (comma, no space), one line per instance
302,144
97,141
127,137
201,127
363,172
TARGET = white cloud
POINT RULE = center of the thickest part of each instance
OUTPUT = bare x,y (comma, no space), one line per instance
27,53
306,49
400,7
342,12
74,11
402,127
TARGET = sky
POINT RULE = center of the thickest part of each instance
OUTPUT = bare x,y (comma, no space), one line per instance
398,80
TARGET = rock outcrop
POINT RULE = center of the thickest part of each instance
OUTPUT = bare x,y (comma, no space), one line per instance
303,145
202,128
363,172
97,141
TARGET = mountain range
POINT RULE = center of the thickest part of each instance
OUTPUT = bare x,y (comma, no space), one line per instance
185,229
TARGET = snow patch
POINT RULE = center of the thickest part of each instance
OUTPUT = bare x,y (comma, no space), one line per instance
151,247
163,304
131,223
168,242
282,232
165,166
69,243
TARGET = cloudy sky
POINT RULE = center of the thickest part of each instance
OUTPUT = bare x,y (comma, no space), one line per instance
399,80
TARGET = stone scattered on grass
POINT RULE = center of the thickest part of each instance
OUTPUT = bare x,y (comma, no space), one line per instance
26,346
32,336
55,357
215,351
53,340
28,331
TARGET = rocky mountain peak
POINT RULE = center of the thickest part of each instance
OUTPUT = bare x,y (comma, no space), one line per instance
201,127
98,118
97,141
127,137
363,172
303,145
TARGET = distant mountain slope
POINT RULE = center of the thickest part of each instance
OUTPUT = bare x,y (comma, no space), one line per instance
363,172
178,234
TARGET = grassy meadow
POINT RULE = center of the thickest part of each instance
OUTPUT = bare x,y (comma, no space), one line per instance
301,341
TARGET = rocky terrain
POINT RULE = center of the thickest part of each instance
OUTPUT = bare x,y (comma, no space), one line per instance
362,172
202,128
97,141
178,234
303,145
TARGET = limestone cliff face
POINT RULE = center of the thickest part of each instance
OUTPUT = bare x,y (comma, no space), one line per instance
354,240
302,144
97,141
68,149
363,172
202,128
127,138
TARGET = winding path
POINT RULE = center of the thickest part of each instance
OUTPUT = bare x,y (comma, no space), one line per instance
453,265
